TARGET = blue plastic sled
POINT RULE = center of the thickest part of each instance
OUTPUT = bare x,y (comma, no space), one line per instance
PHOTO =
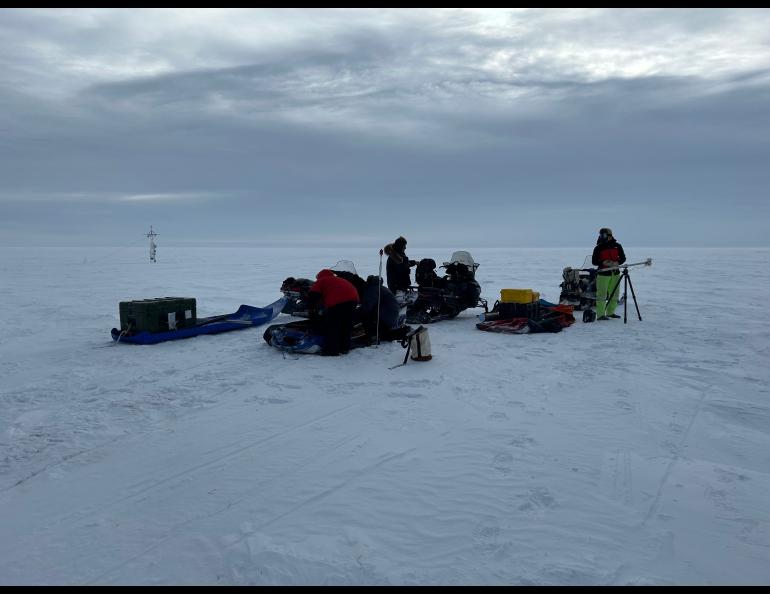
302,337
247,316
295,337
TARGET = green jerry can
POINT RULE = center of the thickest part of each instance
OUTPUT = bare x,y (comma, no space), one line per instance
161,314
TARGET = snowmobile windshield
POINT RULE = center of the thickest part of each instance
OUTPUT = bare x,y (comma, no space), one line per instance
344,266
462,258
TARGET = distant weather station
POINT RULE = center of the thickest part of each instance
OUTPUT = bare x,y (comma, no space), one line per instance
153,248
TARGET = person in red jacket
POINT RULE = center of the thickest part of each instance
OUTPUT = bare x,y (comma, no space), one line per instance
338,298
608,253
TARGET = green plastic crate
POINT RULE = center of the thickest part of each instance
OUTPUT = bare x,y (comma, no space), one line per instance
157,315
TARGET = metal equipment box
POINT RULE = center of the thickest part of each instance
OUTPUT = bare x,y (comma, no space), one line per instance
157,315
518,296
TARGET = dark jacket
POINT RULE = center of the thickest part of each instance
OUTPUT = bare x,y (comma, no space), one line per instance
389,309
333,290
397,269
607,250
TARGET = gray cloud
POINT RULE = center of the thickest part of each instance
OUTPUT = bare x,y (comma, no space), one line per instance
441,124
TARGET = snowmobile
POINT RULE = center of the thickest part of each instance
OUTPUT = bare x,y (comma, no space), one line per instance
578,286
297,290
442,298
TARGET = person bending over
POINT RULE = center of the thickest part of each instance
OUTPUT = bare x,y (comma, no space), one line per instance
338,298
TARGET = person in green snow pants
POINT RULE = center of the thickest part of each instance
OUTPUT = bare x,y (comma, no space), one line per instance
604,286
608,253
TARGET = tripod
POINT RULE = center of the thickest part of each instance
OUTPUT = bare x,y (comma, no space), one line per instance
626,283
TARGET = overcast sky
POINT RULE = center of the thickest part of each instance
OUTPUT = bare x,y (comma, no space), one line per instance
454,127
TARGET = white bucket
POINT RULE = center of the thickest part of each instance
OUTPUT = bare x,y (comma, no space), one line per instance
420,345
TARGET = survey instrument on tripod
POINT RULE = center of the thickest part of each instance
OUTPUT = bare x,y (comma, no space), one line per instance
647,262
626,278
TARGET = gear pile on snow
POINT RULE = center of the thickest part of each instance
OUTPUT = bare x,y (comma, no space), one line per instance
526,318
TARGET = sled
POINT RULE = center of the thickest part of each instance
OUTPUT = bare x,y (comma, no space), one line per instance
247,316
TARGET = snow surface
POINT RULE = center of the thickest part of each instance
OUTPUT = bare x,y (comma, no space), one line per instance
605,454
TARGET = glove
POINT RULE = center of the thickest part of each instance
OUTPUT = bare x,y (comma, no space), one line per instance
609,263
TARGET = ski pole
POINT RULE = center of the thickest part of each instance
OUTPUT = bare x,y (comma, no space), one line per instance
379,292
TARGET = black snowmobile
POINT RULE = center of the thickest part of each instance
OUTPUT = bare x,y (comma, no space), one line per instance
578,286
442,298
297,290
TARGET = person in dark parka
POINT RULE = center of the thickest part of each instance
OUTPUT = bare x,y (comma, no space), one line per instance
389,308
398,266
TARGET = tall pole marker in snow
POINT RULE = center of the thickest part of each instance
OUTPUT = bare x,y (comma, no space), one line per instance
379,291
152,235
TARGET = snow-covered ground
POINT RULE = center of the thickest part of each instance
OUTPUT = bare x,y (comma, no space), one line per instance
605,454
